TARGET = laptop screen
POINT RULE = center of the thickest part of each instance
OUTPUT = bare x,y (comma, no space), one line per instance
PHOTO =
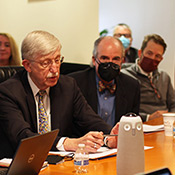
31,154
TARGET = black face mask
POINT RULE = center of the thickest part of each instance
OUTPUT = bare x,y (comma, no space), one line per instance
108,71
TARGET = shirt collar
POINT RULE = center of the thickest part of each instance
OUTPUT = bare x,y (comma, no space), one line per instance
34,88
98,79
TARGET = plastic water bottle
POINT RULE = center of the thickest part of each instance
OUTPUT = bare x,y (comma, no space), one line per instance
81,159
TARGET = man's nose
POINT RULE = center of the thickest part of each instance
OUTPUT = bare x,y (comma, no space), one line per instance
54,67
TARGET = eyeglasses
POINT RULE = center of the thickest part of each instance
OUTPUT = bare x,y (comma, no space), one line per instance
106,59
118,35
68,157
107,64
48,62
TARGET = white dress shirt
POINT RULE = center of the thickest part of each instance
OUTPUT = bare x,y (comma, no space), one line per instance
46,101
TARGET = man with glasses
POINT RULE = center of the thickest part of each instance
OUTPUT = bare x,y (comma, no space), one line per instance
38,99
156,91
109,92
123,32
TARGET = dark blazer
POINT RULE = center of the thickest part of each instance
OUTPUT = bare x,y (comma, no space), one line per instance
18,119
131,55
127,92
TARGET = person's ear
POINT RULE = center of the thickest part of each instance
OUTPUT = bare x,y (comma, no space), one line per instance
93,60
27,65
139,53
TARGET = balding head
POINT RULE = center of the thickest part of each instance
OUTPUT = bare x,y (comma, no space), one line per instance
107,41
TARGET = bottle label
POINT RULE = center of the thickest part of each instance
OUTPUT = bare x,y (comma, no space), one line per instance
83,162
86,162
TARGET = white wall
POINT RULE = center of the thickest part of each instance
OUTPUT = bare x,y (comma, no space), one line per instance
74,22
144,17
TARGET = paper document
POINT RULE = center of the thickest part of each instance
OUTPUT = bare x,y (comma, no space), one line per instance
101,152
5,162
152,128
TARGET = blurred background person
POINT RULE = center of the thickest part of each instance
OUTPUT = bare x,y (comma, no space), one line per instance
123,32
9,53
156,91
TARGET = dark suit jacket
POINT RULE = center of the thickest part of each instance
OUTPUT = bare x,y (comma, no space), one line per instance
127,92
131,55
18,118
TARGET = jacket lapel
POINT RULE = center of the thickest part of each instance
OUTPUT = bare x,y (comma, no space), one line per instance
30,101
91,92
121,100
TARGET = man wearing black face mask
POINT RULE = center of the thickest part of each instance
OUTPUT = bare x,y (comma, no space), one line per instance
109,92
156,91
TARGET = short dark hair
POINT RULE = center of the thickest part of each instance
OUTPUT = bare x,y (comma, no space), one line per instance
156,38
122,25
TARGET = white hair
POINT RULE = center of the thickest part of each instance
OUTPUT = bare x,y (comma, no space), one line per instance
39,43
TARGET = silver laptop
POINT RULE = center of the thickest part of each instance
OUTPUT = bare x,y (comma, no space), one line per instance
31,154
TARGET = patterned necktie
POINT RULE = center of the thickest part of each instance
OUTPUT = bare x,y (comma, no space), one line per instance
103,86
154,88
43,119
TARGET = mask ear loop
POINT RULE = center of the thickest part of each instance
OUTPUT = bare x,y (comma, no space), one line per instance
97,61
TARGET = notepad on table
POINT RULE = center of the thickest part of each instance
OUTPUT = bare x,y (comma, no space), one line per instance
152,128
102,152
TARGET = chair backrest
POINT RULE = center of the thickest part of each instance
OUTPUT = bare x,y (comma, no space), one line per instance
67,68
8,71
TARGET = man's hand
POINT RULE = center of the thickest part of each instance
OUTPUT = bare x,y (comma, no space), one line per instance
156,114
92,141
112,141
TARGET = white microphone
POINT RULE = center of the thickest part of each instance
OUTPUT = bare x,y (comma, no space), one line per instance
130,149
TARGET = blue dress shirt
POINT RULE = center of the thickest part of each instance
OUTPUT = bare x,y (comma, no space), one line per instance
106,105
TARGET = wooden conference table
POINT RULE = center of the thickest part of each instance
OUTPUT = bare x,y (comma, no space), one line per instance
161,155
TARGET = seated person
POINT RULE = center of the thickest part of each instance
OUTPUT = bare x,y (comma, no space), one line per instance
156,92
124,33
109,92
9,54
39,99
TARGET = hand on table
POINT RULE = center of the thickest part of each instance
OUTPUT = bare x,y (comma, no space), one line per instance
156,114
93,140
112,141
